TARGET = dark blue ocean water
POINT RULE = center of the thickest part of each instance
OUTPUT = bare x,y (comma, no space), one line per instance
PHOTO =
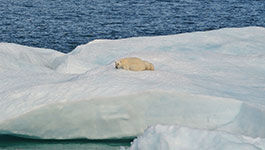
64,24
17,143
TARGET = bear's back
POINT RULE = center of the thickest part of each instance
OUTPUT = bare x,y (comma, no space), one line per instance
132,60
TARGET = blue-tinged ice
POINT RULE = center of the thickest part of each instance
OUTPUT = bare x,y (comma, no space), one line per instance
212,80
161,137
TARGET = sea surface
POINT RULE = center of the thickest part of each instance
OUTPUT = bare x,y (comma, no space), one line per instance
19,143
64,24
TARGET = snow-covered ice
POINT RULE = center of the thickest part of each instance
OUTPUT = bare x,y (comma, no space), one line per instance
213,80
161,137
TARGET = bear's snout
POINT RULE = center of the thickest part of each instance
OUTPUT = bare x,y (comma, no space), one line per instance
116,65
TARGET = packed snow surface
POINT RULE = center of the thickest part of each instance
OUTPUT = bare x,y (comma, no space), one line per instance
161,137
212,80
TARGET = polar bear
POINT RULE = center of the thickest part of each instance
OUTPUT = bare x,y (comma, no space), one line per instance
133,64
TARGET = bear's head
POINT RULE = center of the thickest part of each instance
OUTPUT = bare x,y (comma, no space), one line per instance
118,64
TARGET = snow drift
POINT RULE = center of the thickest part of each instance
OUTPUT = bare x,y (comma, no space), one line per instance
208,80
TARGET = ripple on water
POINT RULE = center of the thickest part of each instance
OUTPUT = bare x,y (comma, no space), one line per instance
64,24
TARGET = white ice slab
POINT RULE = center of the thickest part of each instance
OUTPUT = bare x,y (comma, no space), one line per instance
211,80
161,137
